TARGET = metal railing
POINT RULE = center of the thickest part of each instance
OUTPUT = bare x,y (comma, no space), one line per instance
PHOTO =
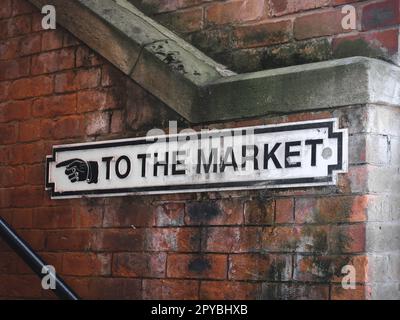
34,261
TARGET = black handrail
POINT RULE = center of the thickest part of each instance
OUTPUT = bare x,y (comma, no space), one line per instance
34,261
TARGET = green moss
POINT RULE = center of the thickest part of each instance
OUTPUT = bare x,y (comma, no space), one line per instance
358,47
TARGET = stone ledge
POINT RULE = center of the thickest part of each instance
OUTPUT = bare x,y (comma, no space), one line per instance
200,89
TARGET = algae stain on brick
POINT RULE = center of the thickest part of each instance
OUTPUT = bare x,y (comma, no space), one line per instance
199,265
201,212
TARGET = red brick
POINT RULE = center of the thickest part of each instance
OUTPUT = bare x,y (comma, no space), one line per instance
35,238
263,34
259,211
183,21
387,41
260,267
228,290
12,176
86,264
34,174
52,40
380,15
29,131
8,262
139,265
22,218
221,212
69,240
27,153
8,133
8,49
68,127
170,214
111,289
77,80
37,22
154,289
53,61
319,24
32,87
283,7
173,239
19,25
231,239
331,209
347,238
26,197
6,9
4,88
55,218
118,125
127,213
197,266
280,239
91,217
22,7
30,44
361,292
20,286
284,211
119,240
69,40
14,69
93,100
54,106
234,11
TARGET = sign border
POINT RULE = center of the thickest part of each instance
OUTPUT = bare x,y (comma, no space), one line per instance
333,170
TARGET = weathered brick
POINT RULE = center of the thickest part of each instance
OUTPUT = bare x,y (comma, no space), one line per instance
14,69
173,239
93,100
128,213
183,21
258,212
49,62
68,127
12,176
97,123
328,268
21,7
221,212
265,267
283,7
6,9
294,291
380,14
26,197
347,238
86,264
139,265
361,292
77,80
229,290
29,131
4,88
55,218
31,87
52,40
119,240
170,214
22,218
54,106
197,266
331,209
234,11
27,153
284,210
170,289
29,44
318,24
8,133
263,34
69,240
231,239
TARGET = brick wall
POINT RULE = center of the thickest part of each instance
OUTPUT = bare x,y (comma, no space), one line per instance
284,244
250,35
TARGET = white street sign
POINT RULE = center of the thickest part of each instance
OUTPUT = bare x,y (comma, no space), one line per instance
299,154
